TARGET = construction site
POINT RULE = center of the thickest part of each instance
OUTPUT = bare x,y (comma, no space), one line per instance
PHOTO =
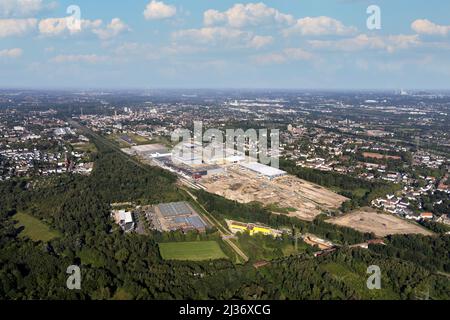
381,224
302,199
243,179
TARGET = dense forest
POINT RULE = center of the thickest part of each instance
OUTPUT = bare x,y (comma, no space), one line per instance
128,266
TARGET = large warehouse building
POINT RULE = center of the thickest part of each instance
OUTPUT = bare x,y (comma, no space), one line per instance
177,216
266,171
149,150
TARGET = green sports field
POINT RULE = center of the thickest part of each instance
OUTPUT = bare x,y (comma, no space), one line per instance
193,251
34,228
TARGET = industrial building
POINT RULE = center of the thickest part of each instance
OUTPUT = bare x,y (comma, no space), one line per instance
313,240
124,219
150,150
236,226
235,159
176,216
190,171
266,171
188,154
63,131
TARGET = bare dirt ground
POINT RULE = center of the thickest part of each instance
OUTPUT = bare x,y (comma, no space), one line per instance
379,156
304,199
369,220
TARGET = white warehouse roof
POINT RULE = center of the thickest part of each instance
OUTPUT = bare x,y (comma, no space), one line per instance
126,216
263,169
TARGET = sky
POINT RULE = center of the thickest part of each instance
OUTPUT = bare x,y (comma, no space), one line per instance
292,44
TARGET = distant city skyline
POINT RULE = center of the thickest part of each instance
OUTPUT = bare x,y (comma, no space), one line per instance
175,44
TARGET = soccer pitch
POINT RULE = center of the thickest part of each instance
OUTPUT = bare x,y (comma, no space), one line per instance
192,251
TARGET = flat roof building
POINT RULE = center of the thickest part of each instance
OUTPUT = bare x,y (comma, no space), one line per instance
267,171
124,219
188,154
151,150
174,209
178,216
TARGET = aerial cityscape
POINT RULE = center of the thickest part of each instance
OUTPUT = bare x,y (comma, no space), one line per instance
121,181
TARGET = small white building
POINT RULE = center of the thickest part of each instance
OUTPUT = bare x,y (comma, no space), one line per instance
124,219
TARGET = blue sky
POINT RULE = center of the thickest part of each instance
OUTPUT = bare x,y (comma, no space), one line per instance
320,44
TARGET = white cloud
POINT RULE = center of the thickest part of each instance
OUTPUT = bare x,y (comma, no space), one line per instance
364,42
212,17
16,27
113,29
223,36
288,54
21,8
52,27
242,15
11,53
424,26
86,58
156,10
260,41
401,41
319,26
212,35
61,26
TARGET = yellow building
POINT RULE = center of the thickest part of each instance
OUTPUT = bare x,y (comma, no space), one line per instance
236,226
258,229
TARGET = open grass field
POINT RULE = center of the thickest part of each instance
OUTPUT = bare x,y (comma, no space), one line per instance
127,139
192,251
85,147
34,228
369,220
163,140
138,139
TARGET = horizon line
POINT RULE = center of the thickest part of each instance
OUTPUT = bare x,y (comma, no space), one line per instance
37,88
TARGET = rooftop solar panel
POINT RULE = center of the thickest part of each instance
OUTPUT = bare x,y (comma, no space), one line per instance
174,209
181,220
196,222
